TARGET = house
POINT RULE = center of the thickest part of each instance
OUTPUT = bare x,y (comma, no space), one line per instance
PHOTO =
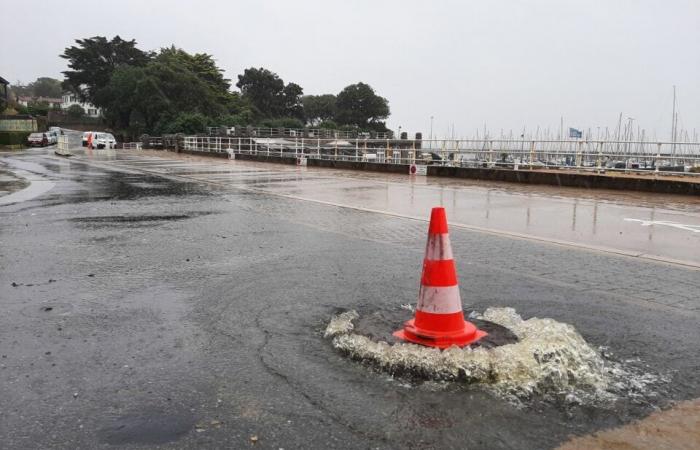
4,94
69,99
52,102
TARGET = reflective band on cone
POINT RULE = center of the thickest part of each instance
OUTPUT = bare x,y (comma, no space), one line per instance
439,320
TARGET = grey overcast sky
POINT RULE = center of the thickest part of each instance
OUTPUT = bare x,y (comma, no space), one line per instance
499,64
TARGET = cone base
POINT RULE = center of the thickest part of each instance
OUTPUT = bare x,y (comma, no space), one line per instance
467,335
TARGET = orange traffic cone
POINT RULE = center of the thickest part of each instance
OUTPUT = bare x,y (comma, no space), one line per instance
439,320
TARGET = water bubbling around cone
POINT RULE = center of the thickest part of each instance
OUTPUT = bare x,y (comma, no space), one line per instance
550,359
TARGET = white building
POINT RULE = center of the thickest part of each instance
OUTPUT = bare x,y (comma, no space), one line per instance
70,99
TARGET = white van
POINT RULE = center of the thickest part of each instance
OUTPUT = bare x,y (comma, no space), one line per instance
103,140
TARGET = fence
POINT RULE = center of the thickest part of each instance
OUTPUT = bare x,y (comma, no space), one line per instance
322,133
132,146
626,156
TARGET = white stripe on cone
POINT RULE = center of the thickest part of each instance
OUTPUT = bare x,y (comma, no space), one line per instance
439,300
438,247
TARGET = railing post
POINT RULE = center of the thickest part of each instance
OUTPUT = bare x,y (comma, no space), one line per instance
579,144
658,156
454,156
532,153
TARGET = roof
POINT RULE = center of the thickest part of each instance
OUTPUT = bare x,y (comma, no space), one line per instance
39,99
339,143
273,141
4,81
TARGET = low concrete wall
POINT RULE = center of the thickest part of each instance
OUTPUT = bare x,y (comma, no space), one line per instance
359,165
581,180
547,177
198,153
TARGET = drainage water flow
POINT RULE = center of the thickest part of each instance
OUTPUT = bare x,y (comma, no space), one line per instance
550,359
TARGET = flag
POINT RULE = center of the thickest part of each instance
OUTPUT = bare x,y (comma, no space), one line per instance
574,133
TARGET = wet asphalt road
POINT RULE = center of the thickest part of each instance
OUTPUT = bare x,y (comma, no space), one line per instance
143,311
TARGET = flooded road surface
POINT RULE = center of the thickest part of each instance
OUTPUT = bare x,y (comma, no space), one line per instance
664,227
176,303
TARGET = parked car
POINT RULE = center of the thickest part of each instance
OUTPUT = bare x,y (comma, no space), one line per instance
103,140
38,140
52,137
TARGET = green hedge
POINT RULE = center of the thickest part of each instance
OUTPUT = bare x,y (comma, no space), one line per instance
13,137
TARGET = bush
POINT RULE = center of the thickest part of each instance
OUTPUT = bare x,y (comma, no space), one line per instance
75,111
21,109
39,109
284,122
13,137
235,120
328,124
188,123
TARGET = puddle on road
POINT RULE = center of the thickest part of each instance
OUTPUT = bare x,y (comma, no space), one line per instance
151,429
548,359
136,219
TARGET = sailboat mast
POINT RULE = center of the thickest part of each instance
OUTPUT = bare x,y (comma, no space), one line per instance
673,122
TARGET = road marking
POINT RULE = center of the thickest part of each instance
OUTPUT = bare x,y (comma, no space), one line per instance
666,223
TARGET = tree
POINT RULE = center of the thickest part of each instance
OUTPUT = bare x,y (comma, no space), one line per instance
46,87
202,64
94,60
172,84
75,111
319,108
38,108
282,122
269,97
41,87
358,105
188,123
21,90
293,107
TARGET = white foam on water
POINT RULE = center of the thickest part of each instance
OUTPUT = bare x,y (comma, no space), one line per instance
341,324
550,359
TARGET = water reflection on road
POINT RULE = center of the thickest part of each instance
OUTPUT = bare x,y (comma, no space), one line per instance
632,223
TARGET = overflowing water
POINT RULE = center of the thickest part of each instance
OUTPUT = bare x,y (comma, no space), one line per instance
550,359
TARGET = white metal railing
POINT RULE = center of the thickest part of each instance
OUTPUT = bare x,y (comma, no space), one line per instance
626,156
323,133
132,146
